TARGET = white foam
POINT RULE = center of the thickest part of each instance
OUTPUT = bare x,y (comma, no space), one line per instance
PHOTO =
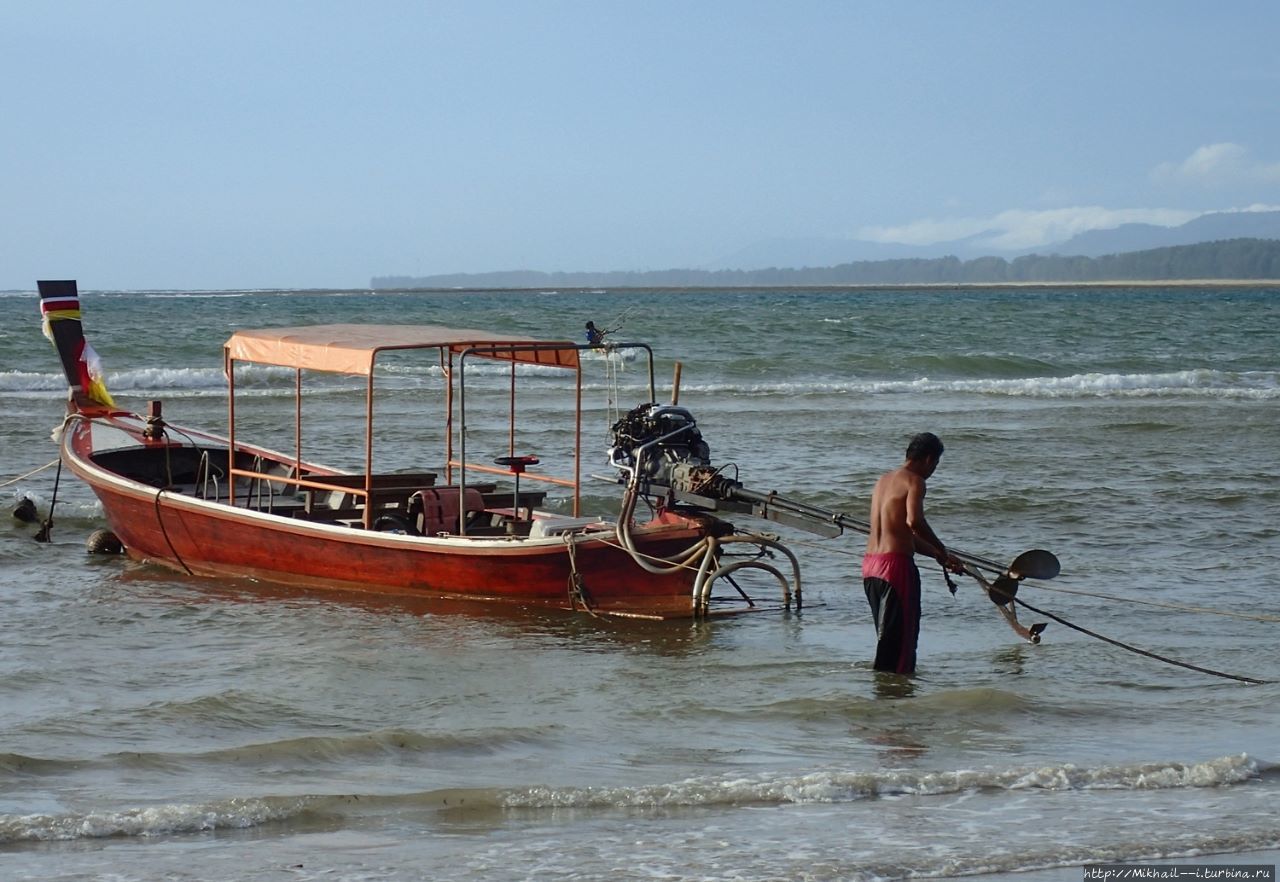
827,786
149,821
847,786
1249,385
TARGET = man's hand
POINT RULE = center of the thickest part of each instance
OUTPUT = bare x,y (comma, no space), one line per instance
950,562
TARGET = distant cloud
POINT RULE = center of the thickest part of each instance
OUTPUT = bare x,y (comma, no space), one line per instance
1016,229
1257,206
1217,165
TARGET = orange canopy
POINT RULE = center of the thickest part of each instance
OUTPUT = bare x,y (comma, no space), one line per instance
352,349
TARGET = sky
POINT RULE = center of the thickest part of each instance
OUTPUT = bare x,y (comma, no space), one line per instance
278,144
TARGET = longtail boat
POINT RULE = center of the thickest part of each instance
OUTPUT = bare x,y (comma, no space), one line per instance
216,505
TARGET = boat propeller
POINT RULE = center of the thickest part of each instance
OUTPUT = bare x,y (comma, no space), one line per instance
1034,564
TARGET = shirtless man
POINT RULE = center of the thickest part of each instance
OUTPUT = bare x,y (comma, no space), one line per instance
899,531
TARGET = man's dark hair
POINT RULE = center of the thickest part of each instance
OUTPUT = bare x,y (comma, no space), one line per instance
923,446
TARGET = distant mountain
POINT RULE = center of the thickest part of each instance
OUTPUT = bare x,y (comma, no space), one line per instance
847,261
1140,237
813,252
1229,259
816,252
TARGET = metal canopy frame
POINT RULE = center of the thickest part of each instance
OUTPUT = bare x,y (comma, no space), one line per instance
354,349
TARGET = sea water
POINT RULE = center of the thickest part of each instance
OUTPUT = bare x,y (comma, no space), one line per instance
159,726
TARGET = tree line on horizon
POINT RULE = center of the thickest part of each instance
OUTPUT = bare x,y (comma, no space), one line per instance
1234,259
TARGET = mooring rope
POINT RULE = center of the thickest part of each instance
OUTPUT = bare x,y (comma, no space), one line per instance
165,532
34,471
577,587
46,528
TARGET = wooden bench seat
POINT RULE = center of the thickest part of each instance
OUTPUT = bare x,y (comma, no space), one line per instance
390,493
502,499
390,490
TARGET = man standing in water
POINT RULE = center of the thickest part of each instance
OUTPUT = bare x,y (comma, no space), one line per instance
899,531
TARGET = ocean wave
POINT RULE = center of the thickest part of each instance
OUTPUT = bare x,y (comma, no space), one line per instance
1201,383
981,364
28,381
1196,384
847,786
150,821
258,377
76,510
305,751
177,379
829,786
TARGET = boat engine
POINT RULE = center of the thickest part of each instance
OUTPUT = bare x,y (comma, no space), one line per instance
660,453
650,440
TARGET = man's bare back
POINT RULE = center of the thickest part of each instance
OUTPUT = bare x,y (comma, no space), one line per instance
898,524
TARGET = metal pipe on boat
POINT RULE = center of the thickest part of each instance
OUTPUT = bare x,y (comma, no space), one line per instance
446,366
491,351
701,584
577,442
742,565
229,367
462,433
623,528
368,449
672,563
762,542
765,541
511,421
297,422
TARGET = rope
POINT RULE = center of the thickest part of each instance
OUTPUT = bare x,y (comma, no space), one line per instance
165,531
608,539
35,471
47,527
613,396
577,587
673,566
1136,649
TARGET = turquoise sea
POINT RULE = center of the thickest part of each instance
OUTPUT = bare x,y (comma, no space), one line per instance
159,726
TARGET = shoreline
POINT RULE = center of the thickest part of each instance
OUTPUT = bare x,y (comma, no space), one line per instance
861,286
608,289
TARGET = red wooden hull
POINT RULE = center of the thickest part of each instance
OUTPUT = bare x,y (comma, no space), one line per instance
211,538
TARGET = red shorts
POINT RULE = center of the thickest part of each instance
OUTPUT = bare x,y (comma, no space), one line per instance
892,584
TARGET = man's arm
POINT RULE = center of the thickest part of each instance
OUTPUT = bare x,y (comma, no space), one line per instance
926,541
